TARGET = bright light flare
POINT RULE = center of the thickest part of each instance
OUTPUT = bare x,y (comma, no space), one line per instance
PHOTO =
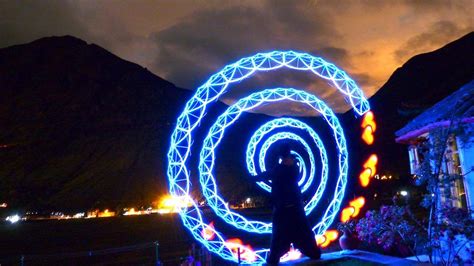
170,204
326,239
292,254
347,213
369,126
208,232
357,204
368,135
353,209
371,164
370,168
235,245
13,219
132,211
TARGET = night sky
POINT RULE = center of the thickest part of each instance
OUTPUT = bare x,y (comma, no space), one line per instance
186,41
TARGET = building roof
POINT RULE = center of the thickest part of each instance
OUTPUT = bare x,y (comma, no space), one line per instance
459,104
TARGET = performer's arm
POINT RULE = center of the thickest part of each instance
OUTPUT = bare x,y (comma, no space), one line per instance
265,176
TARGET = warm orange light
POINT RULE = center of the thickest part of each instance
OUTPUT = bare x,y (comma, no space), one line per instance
369,126
353,210
332,235
170,204
246,251
370,168
364,177
368,135
357,204
320,239
208,232
347,213
106,213
326,239
371,164
369,121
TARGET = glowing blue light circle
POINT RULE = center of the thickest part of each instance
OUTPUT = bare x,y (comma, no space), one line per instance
181,138
290,123
216,132
301,166
281,136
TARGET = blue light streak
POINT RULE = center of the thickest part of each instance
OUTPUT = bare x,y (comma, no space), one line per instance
195,109
295,124
282,136
230,116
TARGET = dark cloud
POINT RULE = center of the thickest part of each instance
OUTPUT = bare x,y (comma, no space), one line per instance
24,21
186,41
362,79
436,36
192,50
213,38
337,55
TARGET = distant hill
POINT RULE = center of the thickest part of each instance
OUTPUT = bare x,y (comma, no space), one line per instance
421,82
83,128
77,124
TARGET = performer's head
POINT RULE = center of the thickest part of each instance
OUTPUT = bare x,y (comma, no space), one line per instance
285,150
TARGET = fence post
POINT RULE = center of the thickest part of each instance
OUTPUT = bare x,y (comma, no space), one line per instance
157,260
22,260
238,254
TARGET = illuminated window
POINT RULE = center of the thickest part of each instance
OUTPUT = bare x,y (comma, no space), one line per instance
414,159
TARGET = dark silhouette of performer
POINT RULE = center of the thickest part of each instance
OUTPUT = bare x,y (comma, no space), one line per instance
290,224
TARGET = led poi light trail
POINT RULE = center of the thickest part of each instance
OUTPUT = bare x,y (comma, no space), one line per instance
182,139
287,136
216,132
287,123
301,166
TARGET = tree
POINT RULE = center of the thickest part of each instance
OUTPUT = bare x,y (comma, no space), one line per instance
438,171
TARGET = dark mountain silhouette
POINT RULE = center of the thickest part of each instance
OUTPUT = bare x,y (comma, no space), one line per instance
421,82
81,127
76,123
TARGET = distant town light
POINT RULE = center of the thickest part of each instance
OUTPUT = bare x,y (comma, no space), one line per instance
248,200
404,193
3,205
13,218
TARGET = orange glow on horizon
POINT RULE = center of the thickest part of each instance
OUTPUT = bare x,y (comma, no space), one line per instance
170,204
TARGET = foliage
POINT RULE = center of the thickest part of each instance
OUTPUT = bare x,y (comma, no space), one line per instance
448,229
388,227
456,221
349,226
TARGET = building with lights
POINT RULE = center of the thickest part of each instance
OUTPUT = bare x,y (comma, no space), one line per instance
456,110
